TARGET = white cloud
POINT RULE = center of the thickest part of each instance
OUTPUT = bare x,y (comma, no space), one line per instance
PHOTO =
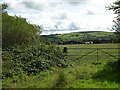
51,12
103,1
63,14
15,5
23,5
91,10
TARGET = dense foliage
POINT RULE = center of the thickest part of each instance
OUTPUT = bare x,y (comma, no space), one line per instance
16,30
116,27
31,59
82,37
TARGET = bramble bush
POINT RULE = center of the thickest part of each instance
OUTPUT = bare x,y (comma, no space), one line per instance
31,59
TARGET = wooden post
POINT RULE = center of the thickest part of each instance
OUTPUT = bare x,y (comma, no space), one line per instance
65,50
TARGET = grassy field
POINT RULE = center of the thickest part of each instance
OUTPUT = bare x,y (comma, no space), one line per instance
82,37
91,46
78,74
84,34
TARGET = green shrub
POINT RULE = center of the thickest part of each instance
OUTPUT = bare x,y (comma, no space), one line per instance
35,66
16,31
61,80
31,59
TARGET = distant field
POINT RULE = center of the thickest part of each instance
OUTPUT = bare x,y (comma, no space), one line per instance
94,54
82,37
85,34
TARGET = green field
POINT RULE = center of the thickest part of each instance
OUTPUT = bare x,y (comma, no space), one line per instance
93,34
78,74
91,46
83,37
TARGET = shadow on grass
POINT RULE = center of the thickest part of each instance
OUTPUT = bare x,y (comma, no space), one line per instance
110,72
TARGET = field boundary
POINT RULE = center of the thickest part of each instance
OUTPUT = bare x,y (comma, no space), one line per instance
97,51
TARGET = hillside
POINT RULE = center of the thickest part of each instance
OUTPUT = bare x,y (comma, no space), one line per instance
82,37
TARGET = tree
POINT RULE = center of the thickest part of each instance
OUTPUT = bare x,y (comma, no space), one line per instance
116,27
4,6
16,30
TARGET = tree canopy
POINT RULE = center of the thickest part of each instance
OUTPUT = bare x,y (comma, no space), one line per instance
116,27
115,7
16,30
4,6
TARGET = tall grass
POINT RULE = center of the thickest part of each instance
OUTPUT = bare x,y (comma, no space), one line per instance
80,75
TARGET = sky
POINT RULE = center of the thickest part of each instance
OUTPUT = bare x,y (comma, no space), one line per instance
64,16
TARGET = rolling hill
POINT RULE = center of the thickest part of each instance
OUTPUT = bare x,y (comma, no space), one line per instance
82,37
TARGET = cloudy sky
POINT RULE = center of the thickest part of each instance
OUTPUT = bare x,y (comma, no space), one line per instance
64,16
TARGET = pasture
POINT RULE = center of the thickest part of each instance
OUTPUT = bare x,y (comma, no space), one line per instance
90,46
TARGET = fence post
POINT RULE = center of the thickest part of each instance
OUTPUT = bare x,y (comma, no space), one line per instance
65,50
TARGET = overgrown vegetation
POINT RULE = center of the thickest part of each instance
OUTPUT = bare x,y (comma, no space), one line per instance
31,59
81,74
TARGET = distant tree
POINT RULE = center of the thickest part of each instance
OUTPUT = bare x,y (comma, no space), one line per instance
116,27
4,6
